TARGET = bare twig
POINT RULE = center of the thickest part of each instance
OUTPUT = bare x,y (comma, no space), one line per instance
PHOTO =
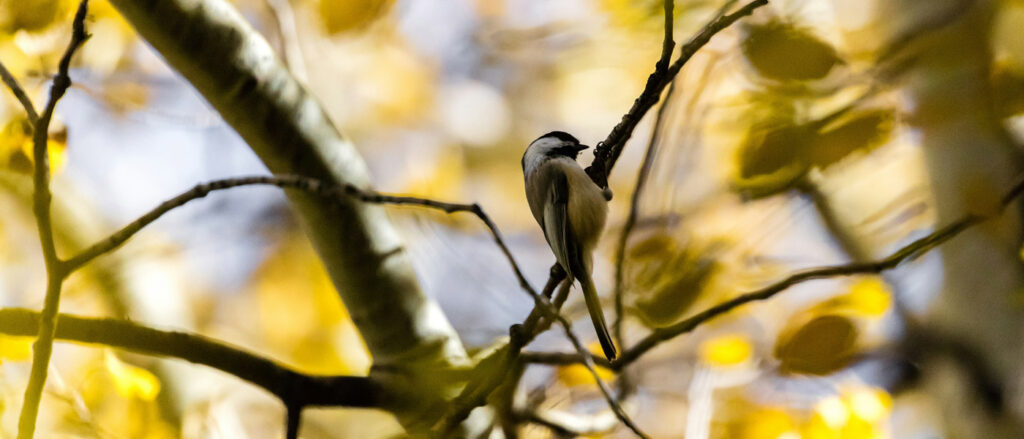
293,417
315,186
286,181
292,387
19,93
608,151
634,212
910,251
475,393
43,346
568,426
668,44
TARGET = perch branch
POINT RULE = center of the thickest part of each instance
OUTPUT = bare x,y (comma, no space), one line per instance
19,93
910,251
317,187
608,151
634,212
43,346
293,388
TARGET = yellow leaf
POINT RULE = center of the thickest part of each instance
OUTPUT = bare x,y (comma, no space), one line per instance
823,345
857,131
769,423
869,404
829,417
27,15
781,51
16,146
871,296
868,297
726,350
773,159
577,374
15,348
131,381
343,16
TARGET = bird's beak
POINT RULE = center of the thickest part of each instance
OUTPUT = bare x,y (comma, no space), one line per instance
581,147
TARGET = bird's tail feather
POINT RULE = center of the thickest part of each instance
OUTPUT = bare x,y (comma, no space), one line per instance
597,316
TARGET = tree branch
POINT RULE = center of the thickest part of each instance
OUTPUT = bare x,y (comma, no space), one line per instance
634,212
293,388
910,251
346,191
43,346
475,392
414,347
608,151
19,93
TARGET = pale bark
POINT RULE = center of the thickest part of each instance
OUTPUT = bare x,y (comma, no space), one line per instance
970,162
414,348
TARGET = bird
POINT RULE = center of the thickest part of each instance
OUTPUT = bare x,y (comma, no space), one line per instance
571,210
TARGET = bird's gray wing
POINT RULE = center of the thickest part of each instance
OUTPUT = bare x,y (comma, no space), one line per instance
557,227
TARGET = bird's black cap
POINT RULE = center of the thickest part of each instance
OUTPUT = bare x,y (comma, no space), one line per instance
560,135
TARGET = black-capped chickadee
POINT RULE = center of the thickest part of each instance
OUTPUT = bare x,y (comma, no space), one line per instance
571,210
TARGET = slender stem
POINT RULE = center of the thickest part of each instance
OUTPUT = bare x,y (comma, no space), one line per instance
19,93
608,151
634,212
908,252
293,417
43,346
292,387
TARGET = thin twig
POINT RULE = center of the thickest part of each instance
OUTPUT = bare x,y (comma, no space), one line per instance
596,425
286,181
293,417
475,392
292,387
668,44
608,151
910,251
19,93
348,191
43,346
634,212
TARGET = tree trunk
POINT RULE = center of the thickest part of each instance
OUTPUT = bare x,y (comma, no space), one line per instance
414,348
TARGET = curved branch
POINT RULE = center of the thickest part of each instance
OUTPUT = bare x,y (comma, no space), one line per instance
608,150
415,348
41,198
19,93
910,251
293,388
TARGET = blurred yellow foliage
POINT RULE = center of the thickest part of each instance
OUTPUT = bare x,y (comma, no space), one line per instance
28,15
343,16
131,381
664,279
769,423
858,413
442,177
822,345
301,314
781,51
575,375
16,146
868,297
636,13
726,350
15,348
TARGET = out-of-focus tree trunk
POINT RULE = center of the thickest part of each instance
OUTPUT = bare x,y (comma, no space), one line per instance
415,350
970,163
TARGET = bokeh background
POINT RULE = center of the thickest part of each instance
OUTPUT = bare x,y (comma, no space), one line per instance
796,139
